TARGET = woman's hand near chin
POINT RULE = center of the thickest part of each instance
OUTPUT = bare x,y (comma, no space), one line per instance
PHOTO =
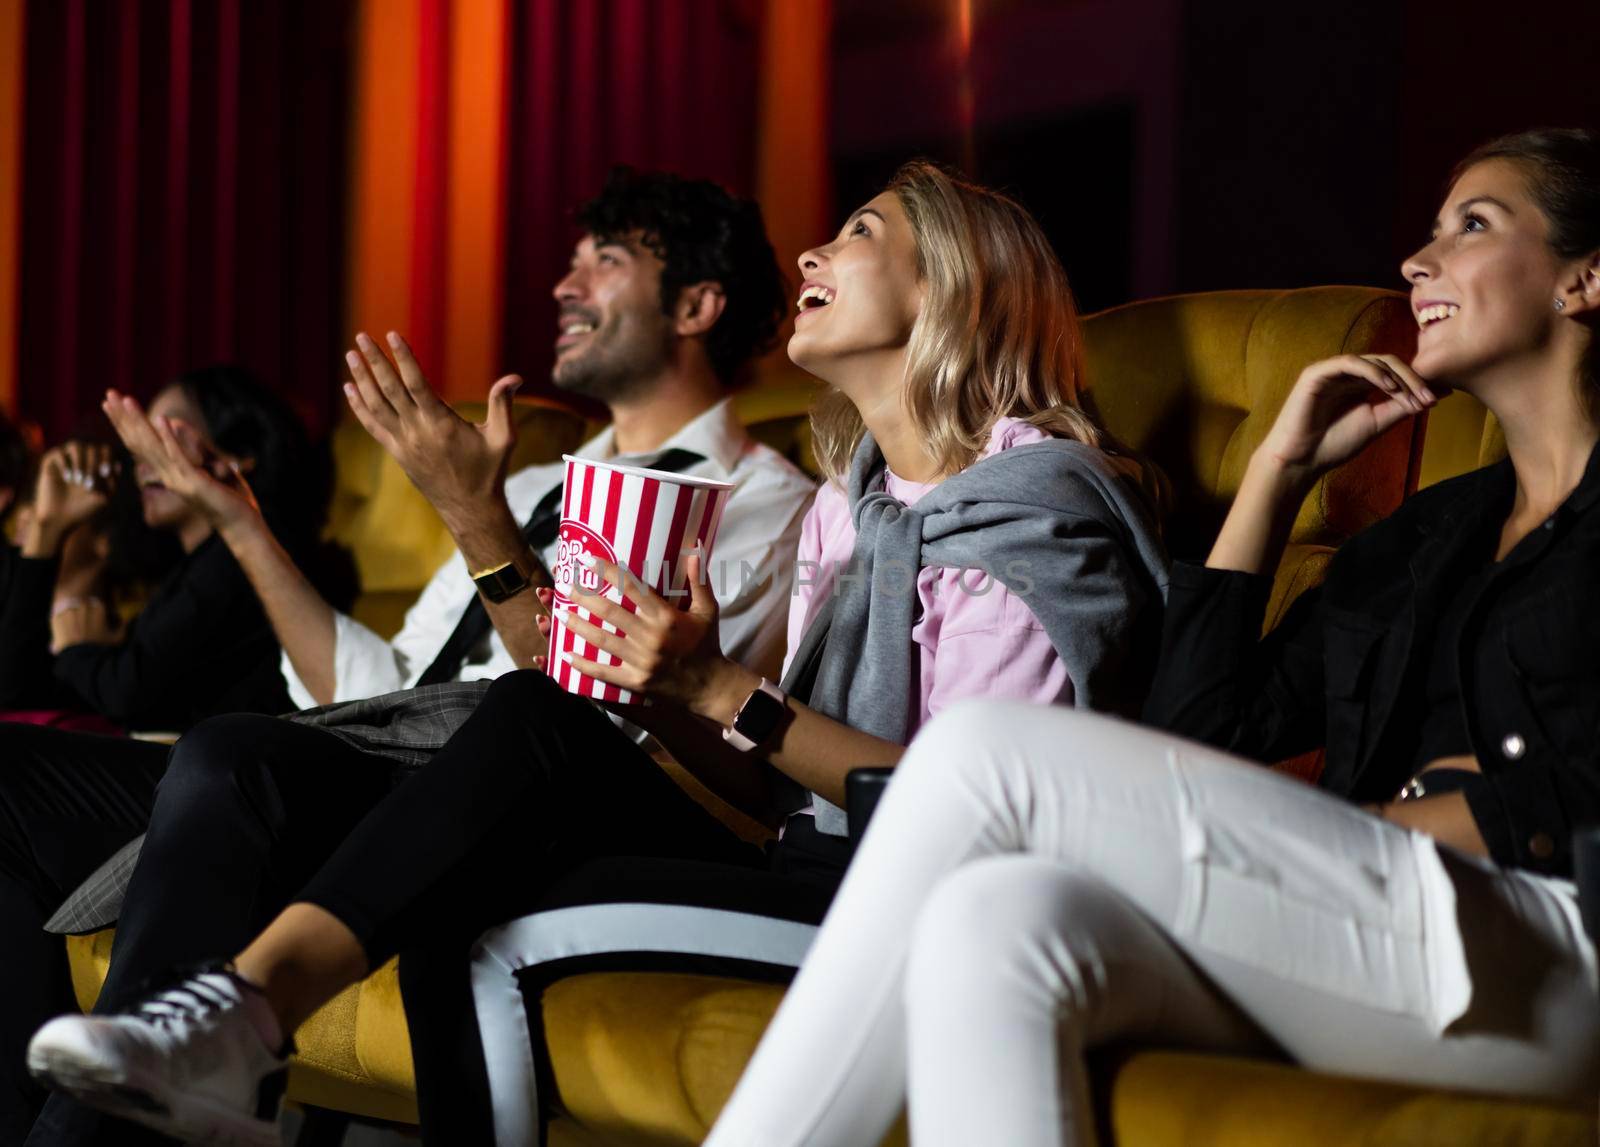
1337,407
1334,411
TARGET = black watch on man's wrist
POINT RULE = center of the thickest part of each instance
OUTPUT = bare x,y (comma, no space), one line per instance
504,581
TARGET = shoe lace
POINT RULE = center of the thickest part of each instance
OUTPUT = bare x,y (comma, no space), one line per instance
190,1002
182,996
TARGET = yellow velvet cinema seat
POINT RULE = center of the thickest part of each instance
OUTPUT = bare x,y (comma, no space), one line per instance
648,1059
1195,382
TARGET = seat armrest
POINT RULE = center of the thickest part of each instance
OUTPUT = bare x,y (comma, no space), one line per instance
862,790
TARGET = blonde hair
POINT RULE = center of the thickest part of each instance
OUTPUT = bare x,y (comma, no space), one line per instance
997,335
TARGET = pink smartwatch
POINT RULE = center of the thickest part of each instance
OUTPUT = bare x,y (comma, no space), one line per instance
758,718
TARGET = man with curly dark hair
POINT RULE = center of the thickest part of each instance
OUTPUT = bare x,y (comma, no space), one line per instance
671,292
698,234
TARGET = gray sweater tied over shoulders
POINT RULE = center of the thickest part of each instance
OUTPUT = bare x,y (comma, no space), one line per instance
1069,529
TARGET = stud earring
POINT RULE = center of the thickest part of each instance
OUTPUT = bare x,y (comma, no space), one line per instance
1561,304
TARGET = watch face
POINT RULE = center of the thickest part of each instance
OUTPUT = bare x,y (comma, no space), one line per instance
758,716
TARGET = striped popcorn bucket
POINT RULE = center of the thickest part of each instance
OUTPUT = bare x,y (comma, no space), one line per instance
646,521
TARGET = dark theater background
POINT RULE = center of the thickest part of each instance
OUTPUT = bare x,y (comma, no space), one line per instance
183,181
188,183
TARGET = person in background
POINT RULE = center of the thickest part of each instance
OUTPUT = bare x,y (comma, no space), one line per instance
1037,884
200,646
69,519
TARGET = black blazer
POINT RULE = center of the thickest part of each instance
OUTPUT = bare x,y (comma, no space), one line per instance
1331,675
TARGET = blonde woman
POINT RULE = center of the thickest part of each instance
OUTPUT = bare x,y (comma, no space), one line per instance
972,540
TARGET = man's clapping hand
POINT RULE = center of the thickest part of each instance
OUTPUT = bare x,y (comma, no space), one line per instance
459,466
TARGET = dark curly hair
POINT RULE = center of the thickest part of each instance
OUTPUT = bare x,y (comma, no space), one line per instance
701,233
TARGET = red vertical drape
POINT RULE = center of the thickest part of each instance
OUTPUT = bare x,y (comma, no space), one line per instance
176,308
183,198
202,182
656,83
123,202
429,257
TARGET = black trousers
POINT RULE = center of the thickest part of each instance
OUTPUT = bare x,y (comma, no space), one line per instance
253,809
250,806
67,802
536,794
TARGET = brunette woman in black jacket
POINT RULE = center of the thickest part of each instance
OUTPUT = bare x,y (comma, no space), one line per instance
1038,882
200,646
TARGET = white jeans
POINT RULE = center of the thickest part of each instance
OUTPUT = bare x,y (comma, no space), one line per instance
1038,881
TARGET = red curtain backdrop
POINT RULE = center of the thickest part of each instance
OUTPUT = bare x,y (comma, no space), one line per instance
427,202
655,83
183,197
200,180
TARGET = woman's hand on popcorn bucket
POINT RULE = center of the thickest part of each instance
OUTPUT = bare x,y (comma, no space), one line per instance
665,653
546,597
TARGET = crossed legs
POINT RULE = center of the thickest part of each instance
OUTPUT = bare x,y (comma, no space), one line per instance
1037,882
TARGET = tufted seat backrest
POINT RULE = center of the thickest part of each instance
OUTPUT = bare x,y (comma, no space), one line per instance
1461,436
1194,382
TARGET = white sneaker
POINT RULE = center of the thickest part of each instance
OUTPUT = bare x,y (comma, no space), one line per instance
188,1061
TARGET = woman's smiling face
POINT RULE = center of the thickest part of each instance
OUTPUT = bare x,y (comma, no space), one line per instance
1483,288
861,293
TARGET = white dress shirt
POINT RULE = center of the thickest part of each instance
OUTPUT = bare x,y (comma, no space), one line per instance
760,530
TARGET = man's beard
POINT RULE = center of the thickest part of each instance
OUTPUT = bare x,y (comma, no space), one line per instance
622,370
